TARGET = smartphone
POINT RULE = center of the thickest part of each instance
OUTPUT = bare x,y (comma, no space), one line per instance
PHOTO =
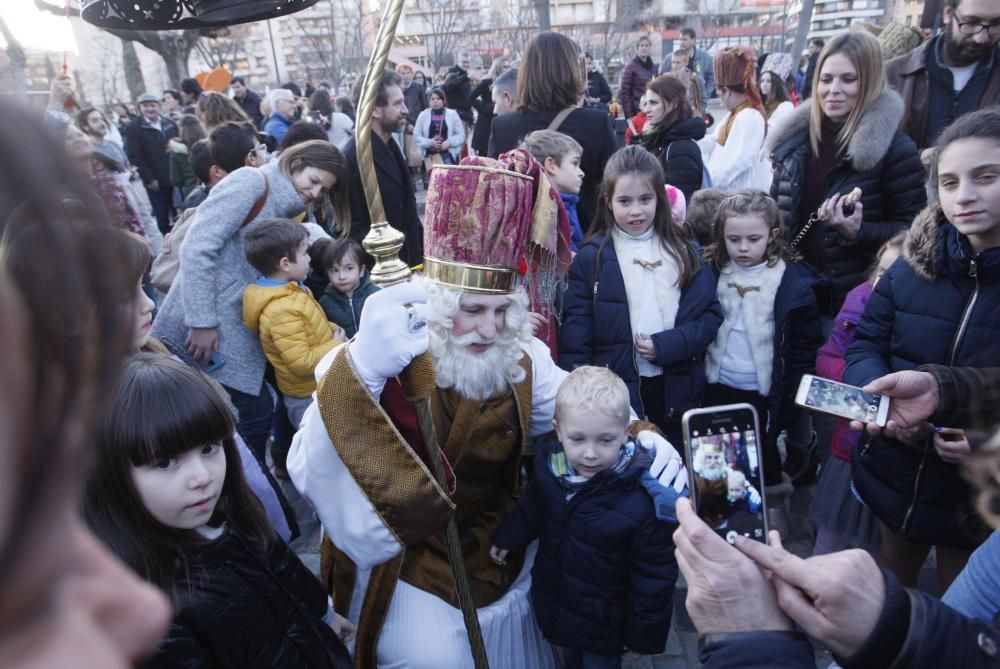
215,361
841,400
725,461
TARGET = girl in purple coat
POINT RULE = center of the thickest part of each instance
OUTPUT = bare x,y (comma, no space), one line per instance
841,520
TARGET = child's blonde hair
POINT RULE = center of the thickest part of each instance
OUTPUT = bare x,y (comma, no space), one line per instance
590,388
735,476
552,144
742,203
894,243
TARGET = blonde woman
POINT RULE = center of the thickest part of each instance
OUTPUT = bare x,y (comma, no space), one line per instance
845,137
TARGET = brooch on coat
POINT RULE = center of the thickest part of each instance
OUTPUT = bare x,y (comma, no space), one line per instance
743,290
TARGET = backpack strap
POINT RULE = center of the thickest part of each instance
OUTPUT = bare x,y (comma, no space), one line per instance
560,117
259,204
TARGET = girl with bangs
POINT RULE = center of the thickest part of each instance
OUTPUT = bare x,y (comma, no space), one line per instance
134,256
169,498
637,302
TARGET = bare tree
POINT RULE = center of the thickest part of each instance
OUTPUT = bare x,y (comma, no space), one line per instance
447,23
514,25
133,70
221,48
173,46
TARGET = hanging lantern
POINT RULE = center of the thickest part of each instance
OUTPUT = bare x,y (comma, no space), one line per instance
182,14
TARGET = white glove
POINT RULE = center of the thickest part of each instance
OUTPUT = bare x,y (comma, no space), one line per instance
392,332
667,468
753,497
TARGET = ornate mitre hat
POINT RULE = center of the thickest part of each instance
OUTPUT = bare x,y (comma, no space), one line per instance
484,220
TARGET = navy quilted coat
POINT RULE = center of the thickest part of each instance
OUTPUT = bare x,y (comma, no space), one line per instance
605,570
596,329
939,304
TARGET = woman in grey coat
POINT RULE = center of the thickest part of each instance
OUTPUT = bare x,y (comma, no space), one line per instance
204,308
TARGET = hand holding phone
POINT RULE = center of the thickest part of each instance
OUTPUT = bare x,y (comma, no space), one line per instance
726,471
644,347
841,400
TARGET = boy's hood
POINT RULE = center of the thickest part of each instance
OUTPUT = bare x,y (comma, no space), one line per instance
256,297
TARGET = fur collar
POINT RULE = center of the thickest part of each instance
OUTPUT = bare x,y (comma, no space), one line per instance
871,140
921,248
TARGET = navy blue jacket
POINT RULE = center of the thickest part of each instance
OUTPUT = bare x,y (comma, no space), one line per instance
798,334
596,329
939,304
605,570
346,311
914,630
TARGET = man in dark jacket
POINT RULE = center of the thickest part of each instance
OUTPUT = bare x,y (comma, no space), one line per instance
815,46
598,91
247,99
146,145
388,117
953,73
458,88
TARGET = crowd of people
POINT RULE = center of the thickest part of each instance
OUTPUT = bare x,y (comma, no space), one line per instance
501,437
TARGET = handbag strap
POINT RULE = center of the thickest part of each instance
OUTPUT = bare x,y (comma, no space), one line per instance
560,117
794,245
259,204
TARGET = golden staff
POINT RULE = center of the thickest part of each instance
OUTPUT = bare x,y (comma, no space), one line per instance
384,243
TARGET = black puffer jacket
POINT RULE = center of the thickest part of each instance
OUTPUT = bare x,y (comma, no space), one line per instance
243,608
880,160
605,570
679,155
940,304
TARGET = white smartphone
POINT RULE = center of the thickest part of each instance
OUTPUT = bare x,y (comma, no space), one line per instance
841,400
724,458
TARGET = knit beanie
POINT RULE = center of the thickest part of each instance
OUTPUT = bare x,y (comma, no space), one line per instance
678,204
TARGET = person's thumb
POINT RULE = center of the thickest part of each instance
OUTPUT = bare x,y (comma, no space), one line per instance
774,557
881,385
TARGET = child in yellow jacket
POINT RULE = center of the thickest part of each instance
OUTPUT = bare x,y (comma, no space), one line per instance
293,329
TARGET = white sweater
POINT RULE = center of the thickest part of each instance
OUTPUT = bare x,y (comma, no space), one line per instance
650,277
738,164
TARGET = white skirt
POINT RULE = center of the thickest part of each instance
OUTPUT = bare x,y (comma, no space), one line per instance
422,630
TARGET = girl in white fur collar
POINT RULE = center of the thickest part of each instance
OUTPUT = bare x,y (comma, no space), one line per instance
772,327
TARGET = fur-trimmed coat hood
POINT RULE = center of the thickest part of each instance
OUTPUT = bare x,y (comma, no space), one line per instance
871,139
880,161
934,247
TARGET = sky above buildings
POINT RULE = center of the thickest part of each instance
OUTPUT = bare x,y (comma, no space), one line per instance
36,29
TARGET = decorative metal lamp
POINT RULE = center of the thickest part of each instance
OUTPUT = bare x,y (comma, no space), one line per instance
182,14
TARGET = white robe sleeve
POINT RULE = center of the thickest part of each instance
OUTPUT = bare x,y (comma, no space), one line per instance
546,379
737,164
349,519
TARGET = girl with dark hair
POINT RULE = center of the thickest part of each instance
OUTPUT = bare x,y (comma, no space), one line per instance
439,131
339,126
777,104
938,305
637,301
671,133
169,498
771,330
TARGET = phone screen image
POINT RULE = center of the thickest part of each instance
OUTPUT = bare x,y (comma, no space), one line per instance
725,457
842,400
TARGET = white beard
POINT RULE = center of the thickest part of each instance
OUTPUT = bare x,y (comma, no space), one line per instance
713,473
478,376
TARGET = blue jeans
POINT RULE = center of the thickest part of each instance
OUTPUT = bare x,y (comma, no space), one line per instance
256,412
976,591
581,659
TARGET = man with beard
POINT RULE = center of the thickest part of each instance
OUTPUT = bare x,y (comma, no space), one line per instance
389,117
953,73
360,457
